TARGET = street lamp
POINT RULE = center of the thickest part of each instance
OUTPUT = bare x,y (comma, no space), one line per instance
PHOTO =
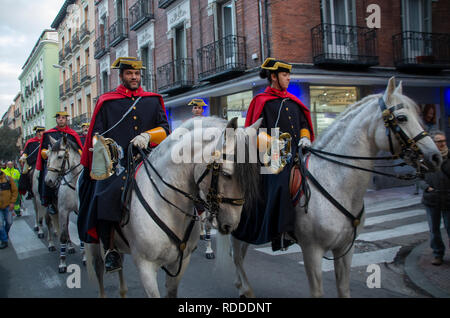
60,66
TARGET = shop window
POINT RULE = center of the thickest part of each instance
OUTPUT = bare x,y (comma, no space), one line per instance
237,106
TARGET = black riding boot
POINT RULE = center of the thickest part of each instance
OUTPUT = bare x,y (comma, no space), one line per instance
113,261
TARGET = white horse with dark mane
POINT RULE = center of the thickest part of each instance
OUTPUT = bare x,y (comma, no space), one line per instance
359,131
162,229
63,170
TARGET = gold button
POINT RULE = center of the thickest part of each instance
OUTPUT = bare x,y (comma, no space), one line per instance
132,98
134,107
121,188
135,127
124,178
292,126
290,117
126,91
287,109
134,117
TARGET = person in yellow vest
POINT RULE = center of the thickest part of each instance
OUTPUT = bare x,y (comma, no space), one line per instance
13,173
8,195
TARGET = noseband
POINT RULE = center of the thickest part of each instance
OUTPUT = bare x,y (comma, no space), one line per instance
62,172
409,148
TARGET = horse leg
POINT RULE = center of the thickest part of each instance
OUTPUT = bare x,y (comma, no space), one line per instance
36,216
239,251
147,271
209,251
63,239
123,289
202,226
342,268
49,222
95,265
312,257
173,282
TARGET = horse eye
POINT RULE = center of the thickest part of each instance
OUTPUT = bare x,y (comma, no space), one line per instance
402,118
225,174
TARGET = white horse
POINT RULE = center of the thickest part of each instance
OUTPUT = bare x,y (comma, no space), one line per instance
41,213
152,247
358,131
63,170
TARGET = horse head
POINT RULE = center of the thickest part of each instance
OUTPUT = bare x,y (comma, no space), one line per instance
399,130
63,155
228,178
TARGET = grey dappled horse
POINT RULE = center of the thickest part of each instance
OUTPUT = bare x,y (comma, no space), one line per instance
358,131
149,245
63,170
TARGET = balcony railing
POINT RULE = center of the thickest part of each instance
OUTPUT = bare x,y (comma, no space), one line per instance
67,50
75,40
84,30
40,78
335,44
17,113
118,31
101,46
61,57
75,80
140,13
148,81
78,120
61,90
222,59
67,86
421,50
84,74
41,106
175,76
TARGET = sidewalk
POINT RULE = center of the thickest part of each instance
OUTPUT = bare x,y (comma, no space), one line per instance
435,280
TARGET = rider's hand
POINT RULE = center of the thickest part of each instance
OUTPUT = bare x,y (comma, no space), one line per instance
22,159
304,142
141,141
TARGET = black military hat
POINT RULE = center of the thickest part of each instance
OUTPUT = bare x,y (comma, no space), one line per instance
127,63
274,65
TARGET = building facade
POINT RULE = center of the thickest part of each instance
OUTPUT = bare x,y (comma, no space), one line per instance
76,63
39,84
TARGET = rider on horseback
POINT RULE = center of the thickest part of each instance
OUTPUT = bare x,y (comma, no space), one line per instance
274,215
126,115
49,195
84,132
28,161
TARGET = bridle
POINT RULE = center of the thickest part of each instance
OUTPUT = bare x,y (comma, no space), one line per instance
62,171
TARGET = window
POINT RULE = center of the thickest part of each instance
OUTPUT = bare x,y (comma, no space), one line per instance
88,105
147,79
179,53
80,107
104,82
416,15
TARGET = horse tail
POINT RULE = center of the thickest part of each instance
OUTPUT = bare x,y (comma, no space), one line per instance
224,260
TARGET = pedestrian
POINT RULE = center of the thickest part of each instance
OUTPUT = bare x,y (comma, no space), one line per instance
14,173
28,160
436,198
8,197
273,218
47,194
127,115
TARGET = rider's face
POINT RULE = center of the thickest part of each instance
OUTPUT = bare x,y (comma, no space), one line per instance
131,79
197,110
61,121
281,80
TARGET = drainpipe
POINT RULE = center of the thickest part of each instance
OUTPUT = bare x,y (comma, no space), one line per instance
266,8
261,33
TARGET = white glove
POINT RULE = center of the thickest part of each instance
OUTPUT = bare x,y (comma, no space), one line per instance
22,158
304,142
141,141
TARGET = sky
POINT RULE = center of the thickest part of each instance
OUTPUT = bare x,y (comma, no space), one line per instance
21,24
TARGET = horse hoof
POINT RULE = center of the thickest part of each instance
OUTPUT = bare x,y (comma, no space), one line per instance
36,228
210,255
84,263
71,251
40,235
52,249
202,237
62,270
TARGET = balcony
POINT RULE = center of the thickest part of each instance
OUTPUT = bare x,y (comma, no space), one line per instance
78,120
85,77
75,41
163,4
418,50
41,106
27,91
67,50
140,13
61,91
101,46
118,31
40,78
32,85
67,86
16,113
176,76
84,31
340,45
221,59
76,81
61,57
148,82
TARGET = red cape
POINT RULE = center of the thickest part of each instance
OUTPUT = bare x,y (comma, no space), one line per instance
258,102
34,139
119,93
67,130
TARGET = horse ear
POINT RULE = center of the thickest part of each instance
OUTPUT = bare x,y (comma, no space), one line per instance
52,140
389,90
233,123
399,89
